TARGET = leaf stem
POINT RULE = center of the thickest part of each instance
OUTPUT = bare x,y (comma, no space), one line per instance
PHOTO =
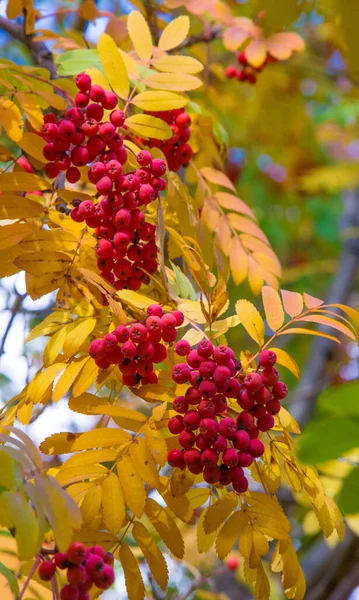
30,575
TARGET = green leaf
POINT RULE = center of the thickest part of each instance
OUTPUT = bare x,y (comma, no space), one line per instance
11,577
7,476
341,399
184,288
73,62
327,439
348,497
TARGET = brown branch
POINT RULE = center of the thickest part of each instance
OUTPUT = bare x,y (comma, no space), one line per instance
315,375
152,19
209,34
14,311
41,55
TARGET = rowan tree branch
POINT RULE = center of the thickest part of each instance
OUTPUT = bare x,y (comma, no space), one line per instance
41,55
315,376
209,34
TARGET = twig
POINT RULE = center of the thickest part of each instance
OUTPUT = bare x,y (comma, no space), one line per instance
14,311
209,34
29,577
152,19
40,53
198,581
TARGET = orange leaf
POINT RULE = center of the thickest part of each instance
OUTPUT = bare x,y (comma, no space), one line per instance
231,202
223,237
217,177
256,53
308,332
311,301
273,307
246,225
238,260
293,303
323,320
255,276
282,45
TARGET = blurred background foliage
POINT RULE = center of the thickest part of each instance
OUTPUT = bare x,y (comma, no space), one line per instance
290,144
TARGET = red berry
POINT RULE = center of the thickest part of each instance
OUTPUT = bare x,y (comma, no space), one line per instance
191,420
94,564
208,428
262,396
117,118
220,404
144,158
270,376
230,72
241,440
232,563
222,355
76,575
175,458
209,458
186,439
110,100
69,592
256,448
47,570
245,419
176,424
83,82
206,408
182,348
241,486
180,373
212,475
253,382
273,407
230,457
208,389
267,358
73,174
61,560
76,553
245,400
227,427
279,390
244,459
265,423
193,396
180,404
105,579
192,457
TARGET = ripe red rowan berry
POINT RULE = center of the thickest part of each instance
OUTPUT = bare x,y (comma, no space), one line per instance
76,553
232,563
47,570
69,592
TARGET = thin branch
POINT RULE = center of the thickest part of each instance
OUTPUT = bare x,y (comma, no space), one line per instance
315,373
14,311
152,19
40,53
209,34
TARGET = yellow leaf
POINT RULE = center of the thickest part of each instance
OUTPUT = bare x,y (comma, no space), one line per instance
133,488
267,515
68,475
58,443
91,457
68,377
14,9
91,505
165,527
159,100
251,320
50,324
293,303
113,503
229,533
98,77
286,360
205,540
181,481
133,578
174,33
16,513
54,346
144,462
238,260
86,378
152,554
245,225
140,35
18,207
38,263
180,505
33,144
149,127
113,65
178,64
123,417
217,177
100,438
223,237
45,241
5,154
42,381
175,82
156,443
31,107
78,336
11,119
198,496
256,52
273,307
13,234
219,511
7,478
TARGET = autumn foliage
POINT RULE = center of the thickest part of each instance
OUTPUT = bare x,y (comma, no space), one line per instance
114,208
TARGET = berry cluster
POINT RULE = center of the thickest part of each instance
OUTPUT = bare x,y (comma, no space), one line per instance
85,567
247,72
126,250
136,348
177,150
213,442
